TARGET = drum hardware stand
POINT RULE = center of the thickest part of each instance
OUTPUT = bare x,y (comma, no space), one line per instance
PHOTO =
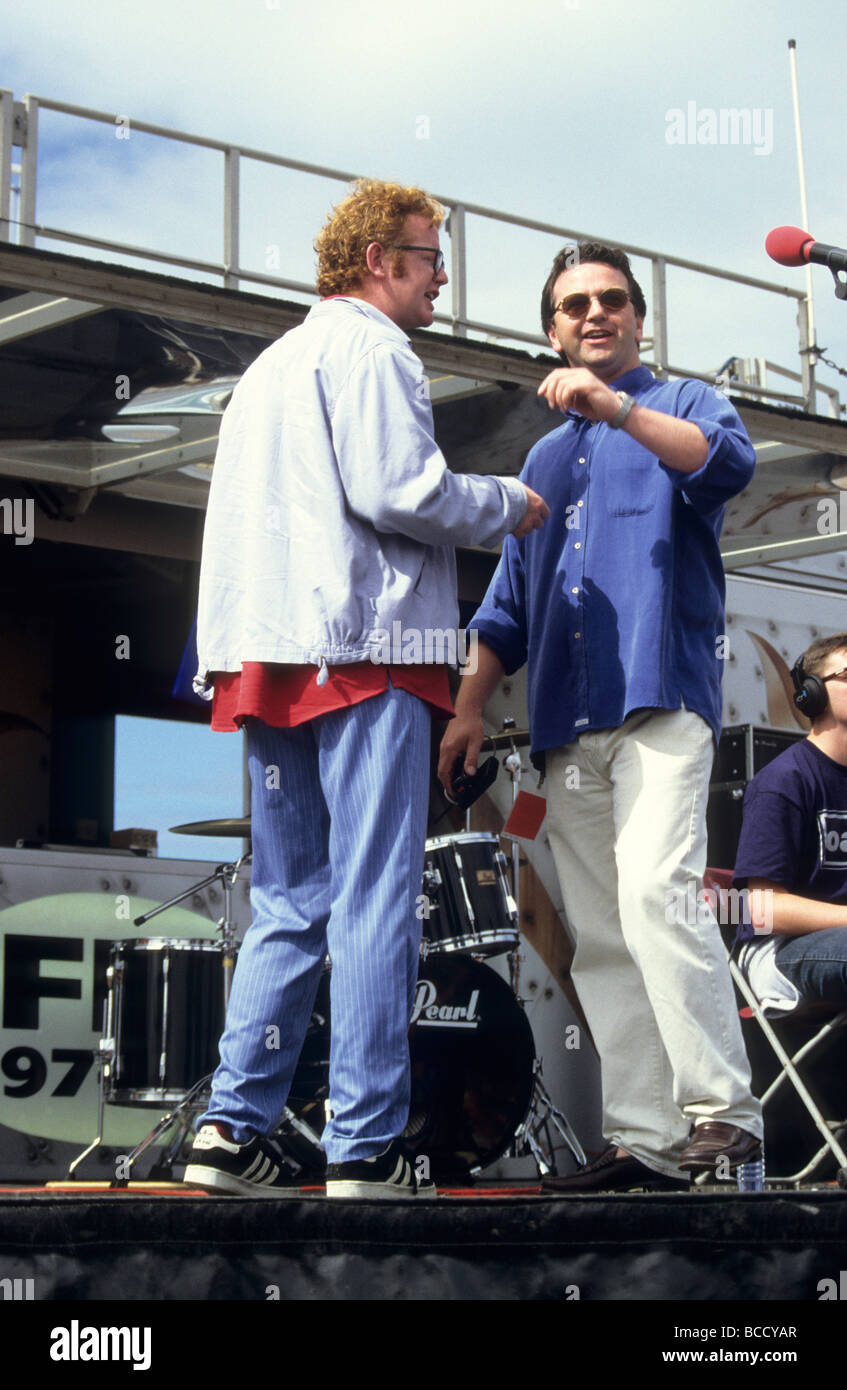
432,881
287,1134
192,1104
514,767
542,1114
104,1056
227,876
542,1111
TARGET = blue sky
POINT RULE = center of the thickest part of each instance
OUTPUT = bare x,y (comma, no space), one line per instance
558,110
171,773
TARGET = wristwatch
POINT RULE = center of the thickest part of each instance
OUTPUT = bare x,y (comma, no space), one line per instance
626,406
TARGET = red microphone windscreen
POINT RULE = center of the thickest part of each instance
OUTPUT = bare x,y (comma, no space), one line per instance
786,245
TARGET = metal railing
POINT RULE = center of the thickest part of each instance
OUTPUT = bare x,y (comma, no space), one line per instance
19,128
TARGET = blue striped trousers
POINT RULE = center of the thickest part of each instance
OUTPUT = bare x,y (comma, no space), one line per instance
339,808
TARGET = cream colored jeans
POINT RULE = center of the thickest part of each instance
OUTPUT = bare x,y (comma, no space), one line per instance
626,817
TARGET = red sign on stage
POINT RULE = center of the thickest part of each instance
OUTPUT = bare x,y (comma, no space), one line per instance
526,816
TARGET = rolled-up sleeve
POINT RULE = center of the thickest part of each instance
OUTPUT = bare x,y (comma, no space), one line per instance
731,460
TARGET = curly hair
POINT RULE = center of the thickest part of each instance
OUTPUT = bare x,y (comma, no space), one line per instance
374,211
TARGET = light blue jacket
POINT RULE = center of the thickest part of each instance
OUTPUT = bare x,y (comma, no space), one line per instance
332,515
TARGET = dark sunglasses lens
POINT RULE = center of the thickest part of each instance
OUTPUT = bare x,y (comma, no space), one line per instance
575,305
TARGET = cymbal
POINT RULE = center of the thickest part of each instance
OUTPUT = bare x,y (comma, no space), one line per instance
236,826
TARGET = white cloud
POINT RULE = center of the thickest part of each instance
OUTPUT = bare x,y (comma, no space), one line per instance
555,110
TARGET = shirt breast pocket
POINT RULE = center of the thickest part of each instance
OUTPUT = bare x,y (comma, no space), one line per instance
632,489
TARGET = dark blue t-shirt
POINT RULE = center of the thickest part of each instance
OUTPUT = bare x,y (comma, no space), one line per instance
794,829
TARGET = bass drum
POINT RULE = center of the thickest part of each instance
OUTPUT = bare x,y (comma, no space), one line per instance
472,1055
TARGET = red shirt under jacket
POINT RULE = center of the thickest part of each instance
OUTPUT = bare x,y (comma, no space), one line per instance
285,696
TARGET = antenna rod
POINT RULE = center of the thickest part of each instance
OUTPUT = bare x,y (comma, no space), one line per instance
804,211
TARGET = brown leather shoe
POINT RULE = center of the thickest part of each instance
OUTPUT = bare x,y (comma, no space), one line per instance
713,1140
608,1173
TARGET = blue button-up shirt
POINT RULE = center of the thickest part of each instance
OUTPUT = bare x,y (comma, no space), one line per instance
617,603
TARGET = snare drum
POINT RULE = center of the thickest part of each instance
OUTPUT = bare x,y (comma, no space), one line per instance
166,1007
469,905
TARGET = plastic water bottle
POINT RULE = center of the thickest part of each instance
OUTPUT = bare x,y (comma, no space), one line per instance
751,1176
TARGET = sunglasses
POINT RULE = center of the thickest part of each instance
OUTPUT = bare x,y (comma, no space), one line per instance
577,305
437,256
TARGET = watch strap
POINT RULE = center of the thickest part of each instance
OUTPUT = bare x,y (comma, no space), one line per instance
626,406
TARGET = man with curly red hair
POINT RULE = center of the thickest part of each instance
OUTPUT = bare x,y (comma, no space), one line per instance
332,520
373,212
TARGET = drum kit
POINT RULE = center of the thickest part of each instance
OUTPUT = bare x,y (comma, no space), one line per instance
477,1091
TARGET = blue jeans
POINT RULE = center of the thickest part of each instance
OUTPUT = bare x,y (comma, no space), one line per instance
339,808
816,964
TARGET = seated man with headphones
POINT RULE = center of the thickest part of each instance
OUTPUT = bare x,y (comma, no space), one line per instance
792,853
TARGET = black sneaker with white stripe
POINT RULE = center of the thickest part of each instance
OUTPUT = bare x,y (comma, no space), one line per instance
386,1176
256,1168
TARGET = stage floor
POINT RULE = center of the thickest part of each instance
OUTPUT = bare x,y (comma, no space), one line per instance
86,1241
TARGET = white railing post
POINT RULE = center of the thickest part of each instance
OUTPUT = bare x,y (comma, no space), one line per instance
807,368
7,124
19,126
232,171
29,171
660,317
456,228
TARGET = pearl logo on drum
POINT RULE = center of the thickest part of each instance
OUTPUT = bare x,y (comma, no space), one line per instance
428,1014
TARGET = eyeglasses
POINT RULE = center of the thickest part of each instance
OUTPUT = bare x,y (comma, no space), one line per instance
437,256
577,305
836,675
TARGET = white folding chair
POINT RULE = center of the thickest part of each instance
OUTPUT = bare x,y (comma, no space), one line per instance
719,881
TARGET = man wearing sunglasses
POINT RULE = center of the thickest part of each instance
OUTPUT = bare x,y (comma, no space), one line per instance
331,522
617,608
792,852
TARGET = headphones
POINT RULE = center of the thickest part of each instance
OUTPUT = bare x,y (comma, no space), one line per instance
810,694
